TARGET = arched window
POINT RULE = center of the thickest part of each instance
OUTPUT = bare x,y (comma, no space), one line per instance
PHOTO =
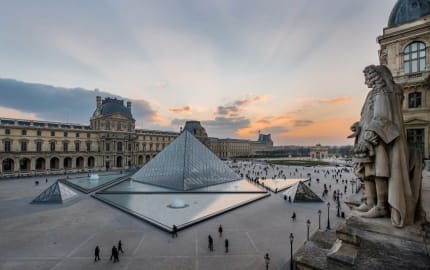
414,57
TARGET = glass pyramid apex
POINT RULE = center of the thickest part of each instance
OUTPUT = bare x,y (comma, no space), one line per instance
185,164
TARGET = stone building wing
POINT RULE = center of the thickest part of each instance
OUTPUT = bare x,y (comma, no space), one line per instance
185,164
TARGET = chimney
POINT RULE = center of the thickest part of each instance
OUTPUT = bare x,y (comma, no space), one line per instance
129,105
99,101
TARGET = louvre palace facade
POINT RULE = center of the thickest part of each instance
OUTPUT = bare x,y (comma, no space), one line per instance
405,50
111,141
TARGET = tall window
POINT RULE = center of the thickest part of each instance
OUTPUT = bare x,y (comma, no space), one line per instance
415,138
88,147
414,57
65,134
107,147
52,133
65,147
52,146
23,132
77,135
414,100
7,131
38,146
39,133
23,146
119,147
77,147
7,146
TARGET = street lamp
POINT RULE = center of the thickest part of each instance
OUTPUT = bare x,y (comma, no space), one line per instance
338,206
319,219
291,250
308,223
328,216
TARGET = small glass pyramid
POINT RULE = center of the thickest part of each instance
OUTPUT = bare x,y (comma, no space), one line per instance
56,193
301,193
185,164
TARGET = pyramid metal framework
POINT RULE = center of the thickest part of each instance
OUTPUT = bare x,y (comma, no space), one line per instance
185,164
301,193
56,193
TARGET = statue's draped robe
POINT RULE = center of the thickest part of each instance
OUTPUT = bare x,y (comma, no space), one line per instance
382,114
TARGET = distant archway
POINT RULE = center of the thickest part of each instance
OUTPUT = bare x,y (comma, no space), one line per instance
24,165
80,163
119,162
8,165
54,163
147,158
140,160
91,162
67,163
40,164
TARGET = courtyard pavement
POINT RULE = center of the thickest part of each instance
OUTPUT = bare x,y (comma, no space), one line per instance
64,236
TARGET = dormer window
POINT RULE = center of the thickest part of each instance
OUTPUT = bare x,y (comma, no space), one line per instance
414,58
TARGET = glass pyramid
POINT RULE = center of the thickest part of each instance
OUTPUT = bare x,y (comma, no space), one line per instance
185,164
301,193
56,193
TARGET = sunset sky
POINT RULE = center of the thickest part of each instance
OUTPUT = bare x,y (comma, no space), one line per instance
292,68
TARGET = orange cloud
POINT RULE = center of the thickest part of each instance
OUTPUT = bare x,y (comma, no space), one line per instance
336,100
12,113
185,109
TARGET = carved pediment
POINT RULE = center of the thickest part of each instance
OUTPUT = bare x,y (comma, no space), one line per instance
415,121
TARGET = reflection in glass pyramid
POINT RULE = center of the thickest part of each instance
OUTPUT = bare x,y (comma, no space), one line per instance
56,193
301,193
185,164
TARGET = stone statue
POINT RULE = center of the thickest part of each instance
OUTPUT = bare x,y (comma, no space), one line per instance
381,155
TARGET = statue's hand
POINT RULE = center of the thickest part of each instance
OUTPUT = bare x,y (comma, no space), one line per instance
371,137
355,127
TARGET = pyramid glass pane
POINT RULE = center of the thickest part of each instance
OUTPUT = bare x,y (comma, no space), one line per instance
51,194
185,164
202,167
65,192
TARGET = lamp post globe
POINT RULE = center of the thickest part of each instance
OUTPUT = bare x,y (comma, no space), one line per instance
291,250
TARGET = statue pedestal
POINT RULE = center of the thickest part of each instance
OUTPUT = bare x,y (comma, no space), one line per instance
361,243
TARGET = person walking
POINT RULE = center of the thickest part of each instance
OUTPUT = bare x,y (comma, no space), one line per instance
267,260
120,247
226,245
112,255
220,230
293,217
115,254
97,254
210,243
